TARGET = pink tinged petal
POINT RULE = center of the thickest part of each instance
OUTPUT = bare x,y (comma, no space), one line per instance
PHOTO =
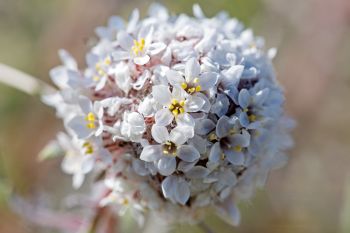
182,193
215,153
236,158
155,48
194,104
166,165
121,55
244,98
142,60
174,77
163,117
192,69
125,40
79,128
160,133
161,94
151,153
188,153
197,172
185,120
208,80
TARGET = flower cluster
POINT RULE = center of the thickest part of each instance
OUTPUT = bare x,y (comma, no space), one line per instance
179,114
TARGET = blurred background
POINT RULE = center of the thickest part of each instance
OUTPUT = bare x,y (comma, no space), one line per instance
310,195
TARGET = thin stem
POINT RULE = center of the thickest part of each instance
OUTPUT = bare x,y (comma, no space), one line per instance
23,81
205,228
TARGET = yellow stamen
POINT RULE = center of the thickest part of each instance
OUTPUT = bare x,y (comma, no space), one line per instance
88,148
184,85
252,117
108,61
198,88
91,125
196,80
238,148
212,137
182,103
139,46
90,117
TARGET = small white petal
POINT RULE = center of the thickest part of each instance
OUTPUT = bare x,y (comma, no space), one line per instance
215,153
160,133
166,165
120,55
151,153
244,98
182,193
156,48
125,40
188,153
223,127
208,80
163,117
185,120
78,180
79,128
161,94
236,158
204,126
192,69
197,172
194,104
168,186
180,134
174,77
142,60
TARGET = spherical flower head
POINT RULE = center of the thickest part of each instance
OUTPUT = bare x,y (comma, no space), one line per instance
180,113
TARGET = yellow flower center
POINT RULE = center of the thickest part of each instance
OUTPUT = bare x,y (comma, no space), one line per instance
192,87
90,119
138,46
177,107
89,149
169,148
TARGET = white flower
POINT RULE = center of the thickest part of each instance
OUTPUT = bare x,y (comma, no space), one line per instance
80,157
133,126
170,146
139,49
193,80
89,122
176,104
